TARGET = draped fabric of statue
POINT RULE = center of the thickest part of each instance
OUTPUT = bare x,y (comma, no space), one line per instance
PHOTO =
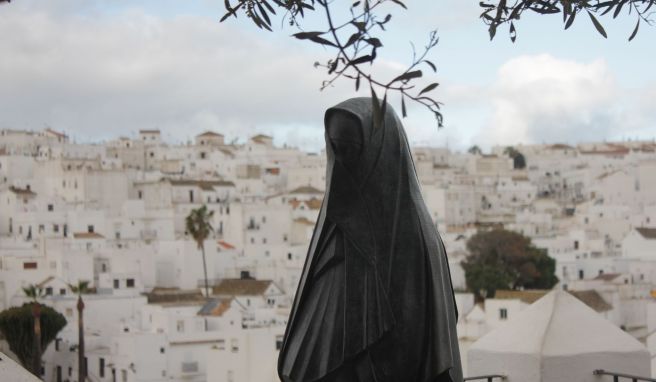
375,300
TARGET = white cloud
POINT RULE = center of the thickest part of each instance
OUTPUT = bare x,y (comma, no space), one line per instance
544,99
104,75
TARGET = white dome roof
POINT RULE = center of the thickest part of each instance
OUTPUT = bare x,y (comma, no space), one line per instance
558,324
12,371
558,338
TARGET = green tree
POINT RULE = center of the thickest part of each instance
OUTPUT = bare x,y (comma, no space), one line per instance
199,227
501,259
353,32
82,287
475,150
18,326
519,161
500,12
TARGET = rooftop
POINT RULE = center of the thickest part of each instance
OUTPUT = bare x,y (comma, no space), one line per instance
589,297
215,307
306,190
175,296
241,287
87,235
22,191
210,134
647,233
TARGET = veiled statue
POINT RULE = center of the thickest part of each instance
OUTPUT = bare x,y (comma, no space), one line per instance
375,300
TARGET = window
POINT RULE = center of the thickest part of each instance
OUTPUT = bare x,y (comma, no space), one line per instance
190,367
576,244
101,367
581,274
234,345
55,228
279,342
162,350
116,284
49,291
140,194
62,291
129,283
50,207
30,265
90,228
289,256
503,314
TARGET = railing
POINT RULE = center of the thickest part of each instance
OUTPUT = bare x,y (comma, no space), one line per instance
488,378
617,376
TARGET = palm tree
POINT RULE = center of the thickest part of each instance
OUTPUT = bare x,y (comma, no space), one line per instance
199,227
82,287
34,292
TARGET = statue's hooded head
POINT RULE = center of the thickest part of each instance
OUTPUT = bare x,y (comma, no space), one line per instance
372,156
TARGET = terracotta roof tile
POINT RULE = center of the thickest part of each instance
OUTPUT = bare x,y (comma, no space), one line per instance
226,245
22,191
210,134
241,287
88,235
589,297
592,299
526,296
607,276
305,190
174,296
304,221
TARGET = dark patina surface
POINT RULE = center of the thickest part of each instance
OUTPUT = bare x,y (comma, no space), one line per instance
375,300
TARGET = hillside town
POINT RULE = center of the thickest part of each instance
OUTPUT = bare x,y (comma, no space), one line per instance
113,214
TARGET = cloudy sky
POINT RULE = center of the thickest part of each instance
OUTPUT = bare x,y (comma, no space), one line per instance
99,69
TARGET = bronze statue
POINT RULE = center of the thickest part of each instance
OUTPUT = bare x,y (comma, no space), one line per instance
375,301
